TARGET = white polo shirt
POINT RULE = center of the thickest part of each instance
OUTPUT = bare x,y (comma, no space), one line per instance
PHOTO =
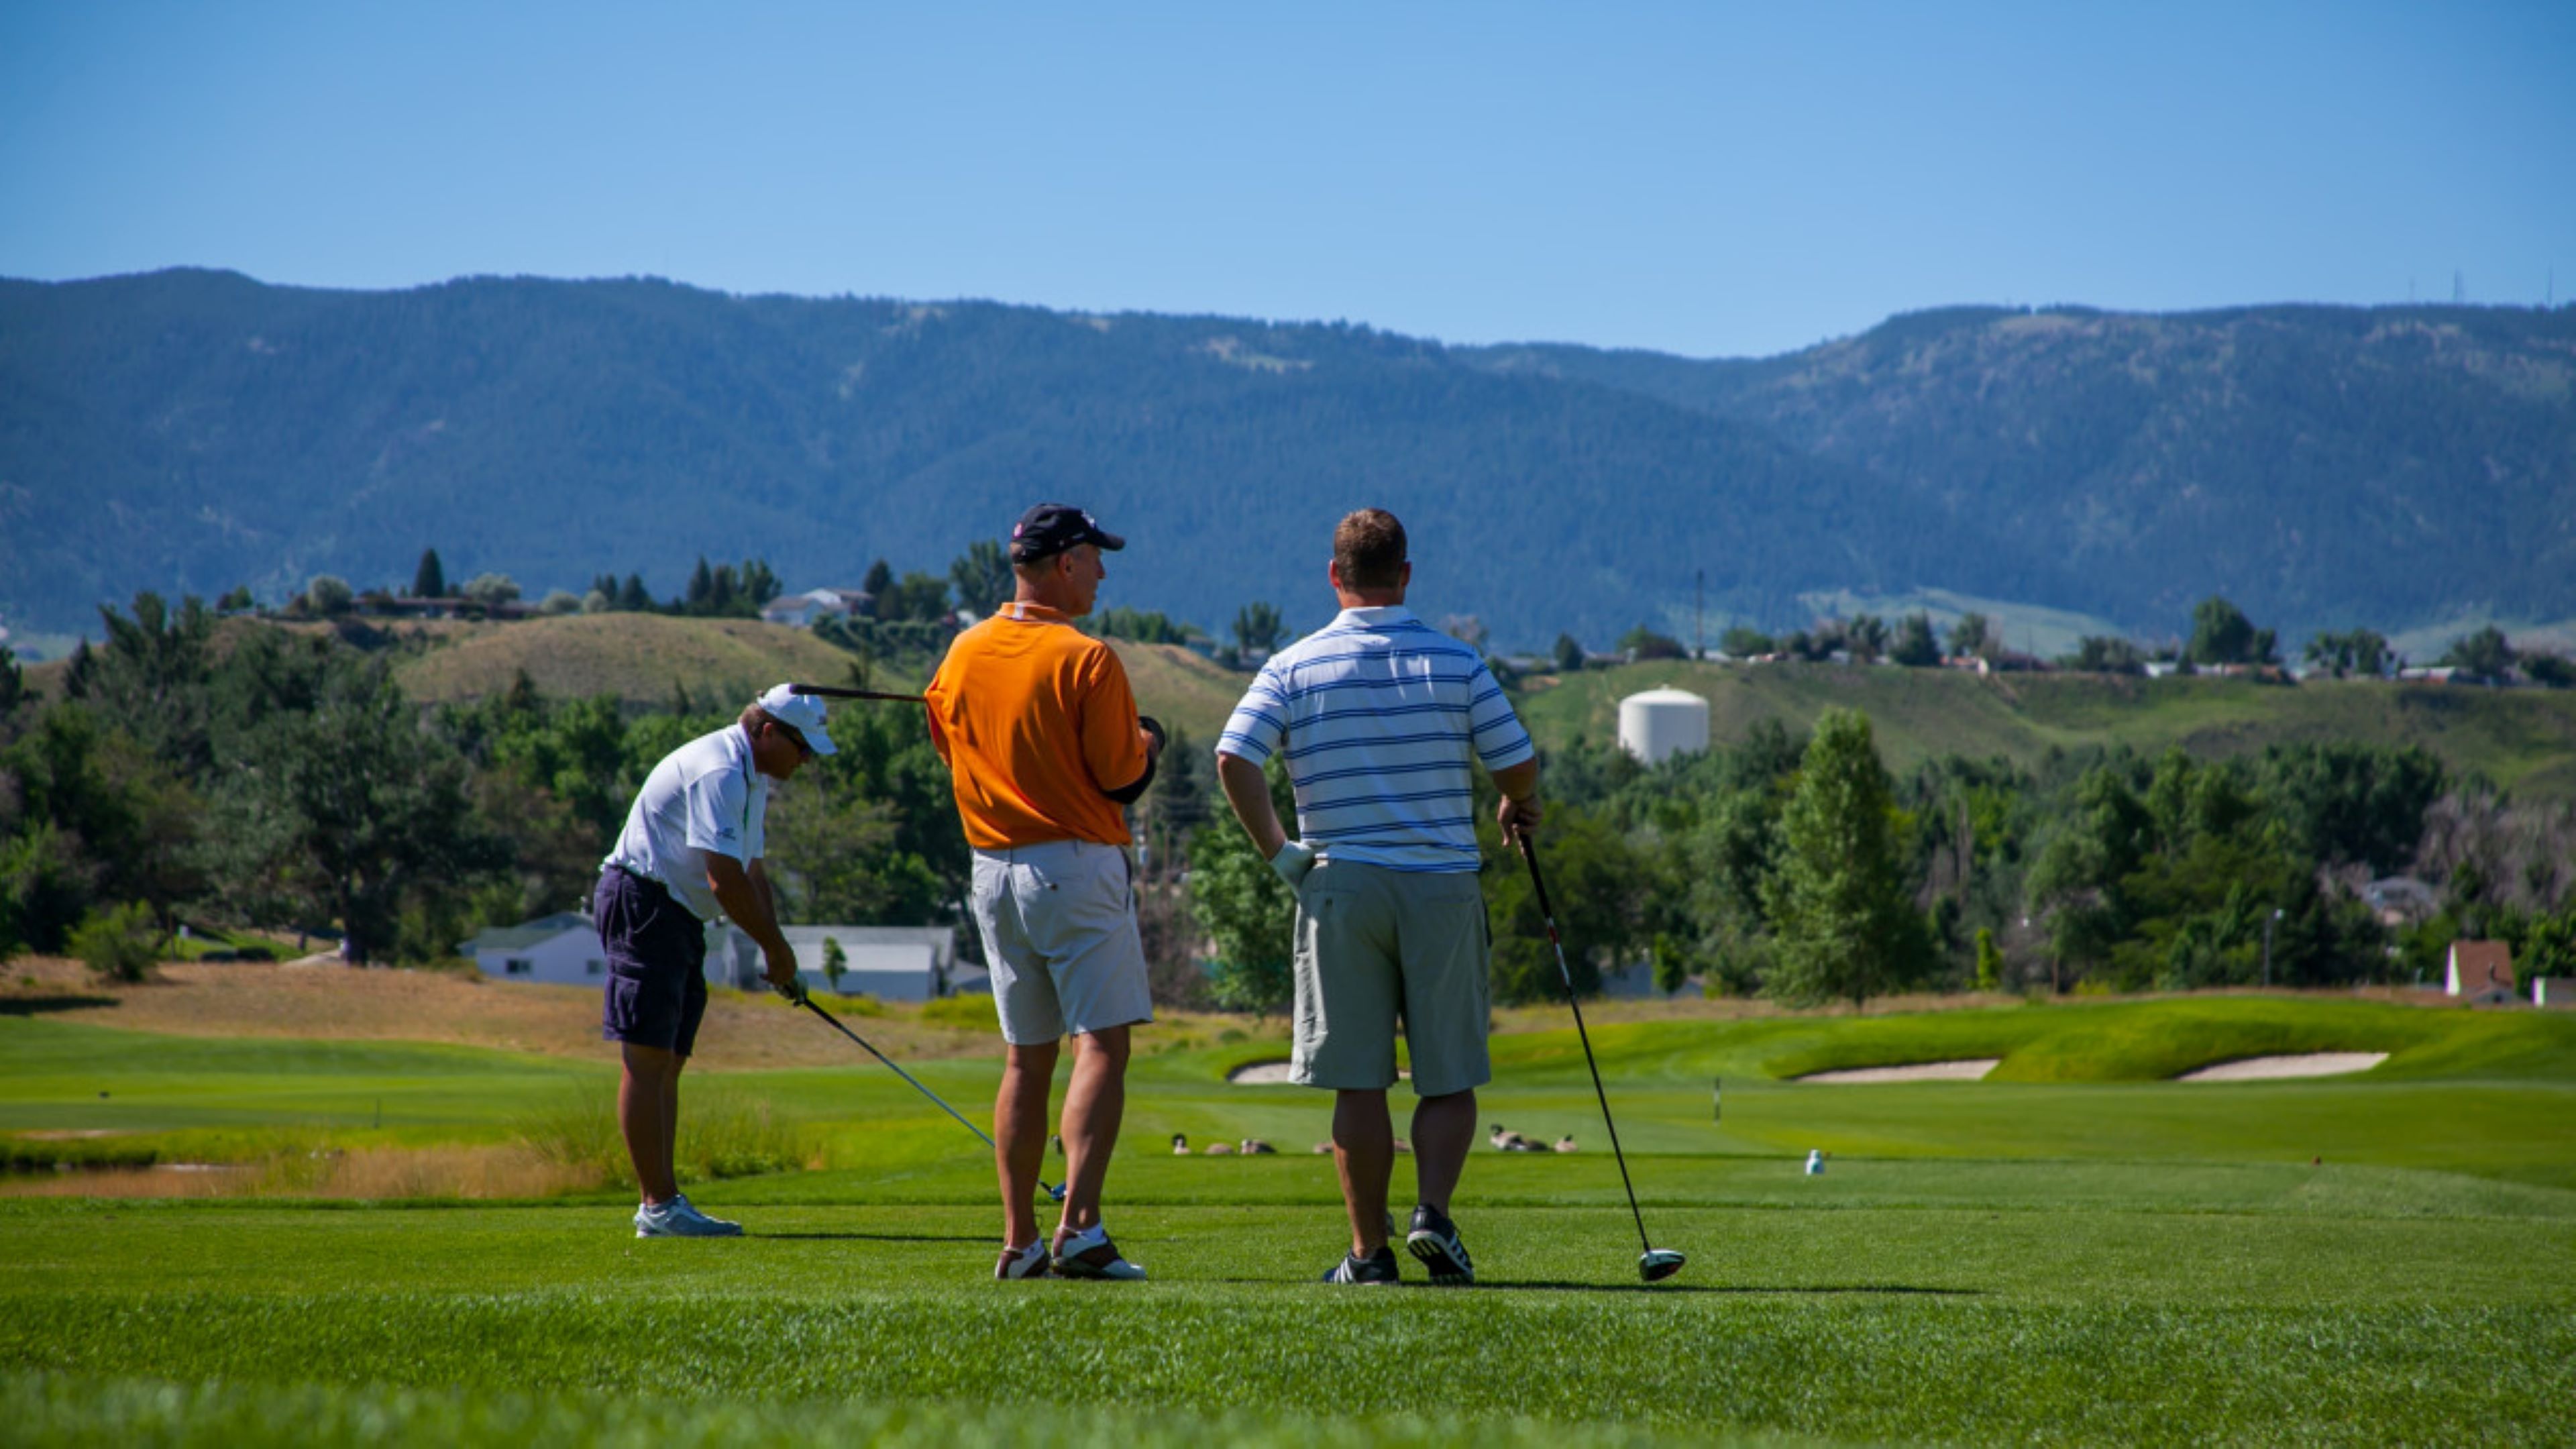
705,798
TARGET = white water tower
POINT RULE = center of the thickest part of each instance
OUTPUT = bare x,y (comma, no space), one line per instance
1661,723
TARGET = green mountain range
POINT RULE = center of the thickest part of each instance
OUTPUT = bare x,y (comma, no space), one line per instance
192,430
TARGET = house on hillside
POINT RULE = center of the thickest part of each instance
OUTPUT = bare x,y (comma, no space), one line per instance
2481,972
2400,900
558,950
890,963
802,610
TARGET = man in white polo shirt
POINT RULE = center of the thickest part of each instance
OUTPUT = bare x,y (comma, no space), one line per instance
1381,720
690,854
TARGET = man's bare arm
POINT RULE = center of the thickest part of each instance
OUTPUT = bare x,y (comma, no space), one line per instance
745,895
1519,784
1248,791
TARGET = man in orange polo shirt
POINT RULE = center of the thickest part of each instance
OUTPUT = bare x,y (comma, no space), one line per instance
1045,750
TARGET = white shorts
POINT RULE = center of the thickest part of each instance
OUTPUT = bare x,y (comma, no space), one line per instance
1059,928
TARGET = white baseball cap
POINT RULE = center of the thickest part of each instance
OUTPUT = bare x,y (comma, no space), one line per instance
802,713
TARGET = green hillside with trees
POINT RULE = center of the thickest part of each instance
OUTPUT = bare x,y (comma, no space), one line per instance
2328,468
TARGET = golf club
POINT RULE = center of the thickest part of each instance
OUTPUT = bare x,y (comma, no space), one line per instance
795,992
833,691
1656,1264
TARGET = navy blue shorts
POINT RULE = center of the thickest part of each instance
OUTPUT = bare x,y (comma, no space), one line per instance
657,963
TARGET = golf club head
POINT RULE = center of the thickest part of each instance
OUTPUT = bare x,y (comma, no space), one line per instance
1658,1264
1055,1194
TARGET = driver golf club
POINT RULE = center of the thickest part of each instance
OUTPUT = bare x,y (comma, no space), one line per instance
795,992
1656,1264
833,691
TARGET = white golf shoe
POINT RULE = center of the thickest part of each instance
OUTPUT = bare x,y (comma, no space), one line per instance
677,1219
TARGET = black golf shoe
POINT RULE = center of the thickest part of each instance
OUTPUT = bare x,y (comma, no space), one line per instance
1377,1268
1435,1241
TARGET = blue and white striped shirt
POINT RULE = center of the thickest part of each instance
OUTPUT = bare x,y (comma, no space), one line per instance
1379,717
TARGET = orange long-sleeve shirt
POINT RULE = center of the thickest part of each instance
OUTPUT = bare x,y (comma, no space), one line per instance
1035,720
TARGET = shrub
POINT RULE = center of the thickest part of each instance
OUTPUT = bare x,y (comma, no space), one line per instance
119,943
328,596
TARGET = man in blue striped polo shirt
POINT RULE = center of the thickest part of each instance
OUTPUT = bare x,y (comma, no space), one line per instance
1382,720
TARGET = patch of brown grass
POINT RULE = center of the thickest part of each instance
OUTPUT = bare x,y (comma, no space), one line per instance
512,1170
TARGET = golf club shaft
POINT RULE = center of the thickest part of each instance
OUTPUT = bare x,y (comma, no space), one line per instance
809,1004
1547,912
828,691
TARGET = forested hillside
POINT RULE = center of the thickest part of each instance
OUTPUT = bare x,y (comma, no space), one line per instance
2322,465
189,431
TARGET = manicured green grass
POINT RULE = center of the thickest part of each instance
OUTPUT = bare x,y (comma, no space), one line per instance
2525,738
2084,1256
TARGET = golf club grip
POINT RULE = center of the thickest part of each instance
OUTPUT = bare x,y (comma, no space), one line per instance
826,691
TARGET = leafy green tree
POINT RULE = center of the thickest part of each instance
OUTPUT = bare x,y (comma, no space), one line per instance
1568,654
1246,911
1914,646
2549,671
349,812
2549,946
119,943
1642,643
981,577
429,580
1865,638
2221,634
1843,926
1598,885
2347,802
13,681
89,815
1990,961
1974,636
2483,655
836,962
1740,642
491,590
238,601
1672,963
1138,625
1258,628
2358,651
328,595
2101,654
916,597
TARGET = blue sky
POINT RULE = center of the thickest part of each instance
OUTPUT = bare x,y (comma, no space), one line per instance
1704,179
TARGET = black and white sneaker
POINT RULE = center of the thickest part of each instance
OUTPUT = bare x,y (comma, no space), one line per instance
1378,1268
1435,1241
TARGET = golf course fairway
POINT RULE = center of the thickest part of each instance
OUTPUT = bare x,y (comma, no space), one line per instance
2076,1250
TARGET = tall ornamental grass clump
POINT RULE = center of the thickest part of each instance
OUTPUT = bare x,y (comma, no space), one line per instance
725,1131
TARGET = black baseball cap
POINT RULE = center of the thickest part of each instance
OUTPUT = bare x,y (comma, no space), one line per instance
1051,528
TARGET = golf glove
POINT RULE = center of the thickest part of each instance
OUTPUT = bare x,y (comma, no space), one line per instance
1293,860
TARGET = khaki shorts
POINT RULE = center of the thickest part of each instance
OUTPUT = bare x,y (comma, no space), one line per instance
1060,935
1373,943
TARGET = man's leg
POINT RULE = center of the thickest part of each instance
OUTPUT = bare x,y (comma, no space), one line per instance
1095,1101
1364,1153
1444,1132
647,1108
1019,1136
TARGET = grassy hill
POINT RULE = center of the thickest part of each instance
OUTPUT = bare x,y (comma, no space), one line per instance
2521,739
640,658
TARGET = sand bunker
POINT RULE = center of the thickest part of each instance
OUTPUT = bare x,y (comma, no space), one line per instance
1275,1074
1964,1071
2305,1064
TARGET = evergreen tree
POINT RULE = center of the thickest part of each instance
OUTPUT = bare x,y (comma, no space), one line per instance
720,593
1569,654
1974,637
632,597
878,584
1990,961
1258,628
1843,925
429,581
1914,646
702,587
982,577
